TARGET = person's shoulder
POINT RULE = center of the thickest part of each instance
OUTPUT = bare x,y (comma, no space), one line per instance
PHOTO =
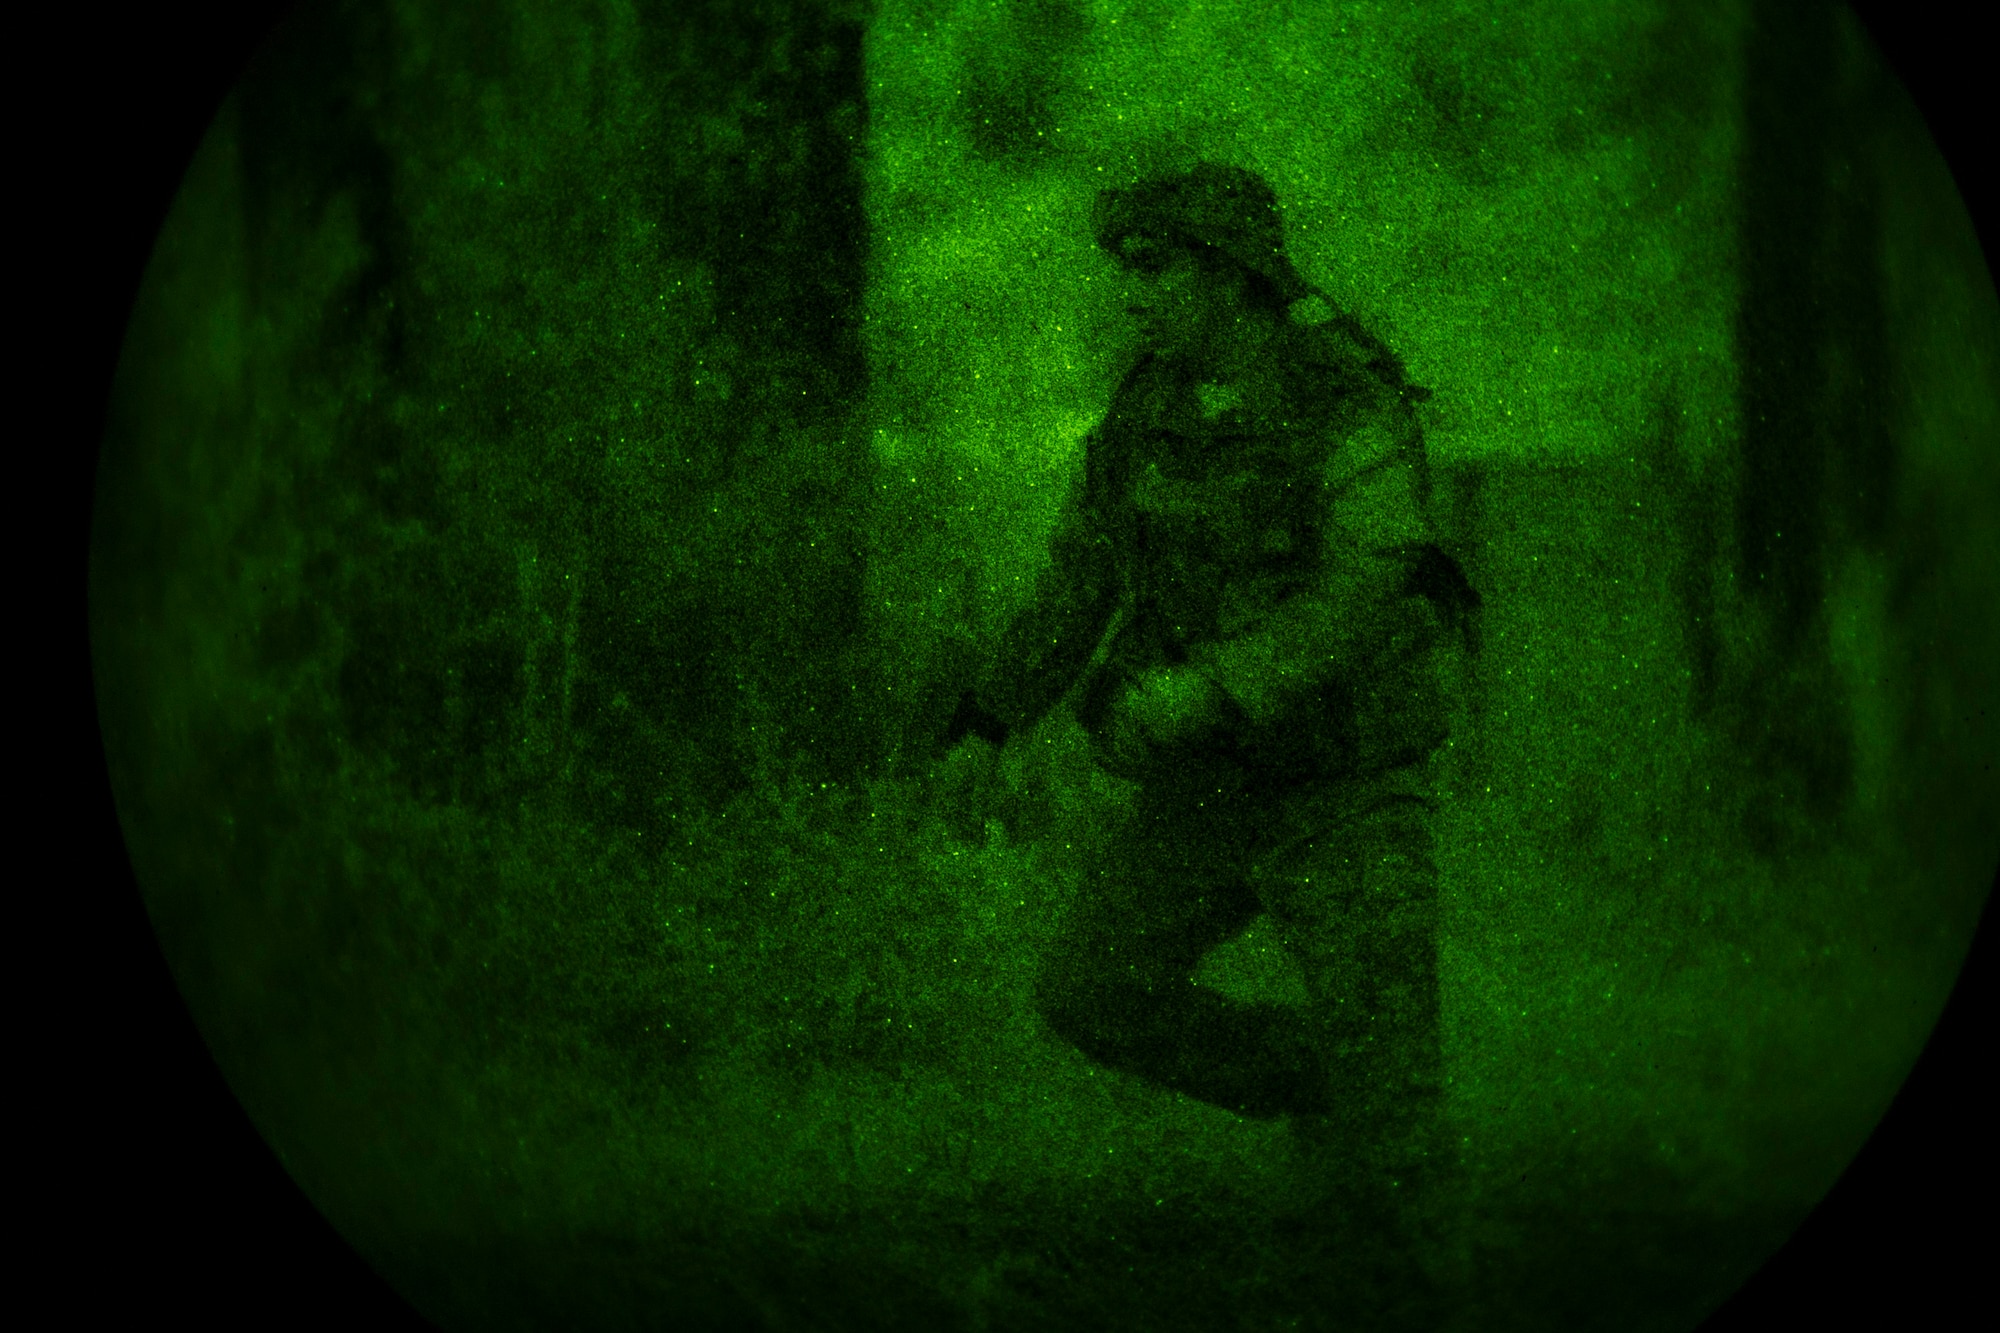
1318,332
1322,340
1314,377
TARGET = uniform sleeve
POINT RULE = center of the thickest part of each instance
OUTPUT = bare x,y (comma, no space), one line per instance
1049,643
1373,531
1374,489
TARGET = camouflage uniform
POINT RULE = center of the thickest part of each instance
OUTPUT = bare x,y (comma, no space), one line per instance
1274,537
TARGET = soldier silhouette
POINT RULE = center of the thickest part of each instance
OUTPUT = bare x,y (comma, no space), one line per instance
1248,609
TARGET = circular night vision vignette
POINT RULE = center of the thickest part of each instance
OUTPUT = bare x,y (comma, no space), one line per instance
1840,1229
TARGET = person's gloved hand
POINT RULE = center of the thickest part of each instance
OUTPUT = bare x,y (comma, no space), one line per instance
1169,705
965,787
1158,708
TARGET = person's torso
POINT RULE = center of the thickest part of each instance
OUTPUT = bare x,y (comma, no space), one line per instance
1218,500
1216,493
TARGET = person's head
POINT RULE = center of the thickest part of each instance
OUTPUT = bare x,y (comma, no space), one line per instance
1209,248
1194,300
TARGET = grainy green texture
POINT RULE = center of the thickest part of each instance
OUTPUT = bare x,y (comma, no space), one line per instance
564,452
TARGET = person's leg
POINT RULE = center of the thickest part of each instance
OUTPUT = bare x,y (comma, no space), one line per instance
1120,986
1355,890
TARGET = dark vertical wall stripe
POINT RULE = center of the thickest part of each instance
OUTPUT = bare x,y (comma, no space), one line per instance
1816,465
1781,324
588,511
1817,462
777,213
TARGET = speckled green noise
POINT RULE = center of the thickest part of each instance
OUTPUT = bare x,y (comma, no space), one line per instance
569,458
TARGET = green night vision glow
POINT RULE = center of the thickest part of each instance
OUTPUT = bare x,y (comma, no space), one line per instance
1060,664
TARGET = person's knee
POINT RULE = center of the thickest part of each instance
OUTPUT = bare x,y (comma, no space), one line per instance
1109,1022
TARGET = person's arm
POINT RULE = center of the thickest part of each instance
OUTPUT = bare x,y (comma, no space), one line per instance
1048,644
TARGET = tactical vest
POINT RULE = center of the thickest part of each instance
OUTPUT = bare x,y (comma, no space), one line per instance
1216,509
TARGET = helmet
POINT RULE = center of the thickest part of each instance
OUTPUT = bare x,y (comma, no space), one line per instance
1228,208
